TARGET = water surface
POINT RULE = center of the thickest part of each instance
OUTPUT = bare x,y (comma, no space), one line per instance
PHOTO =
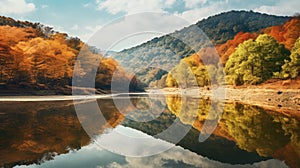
50,134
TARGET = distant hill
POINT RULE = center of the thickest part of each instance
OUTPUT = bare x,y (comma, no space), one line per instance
286,34
275,50
225,26
168,50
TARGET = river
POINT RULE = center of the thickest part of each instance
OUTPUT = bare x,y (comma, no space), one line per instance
162,131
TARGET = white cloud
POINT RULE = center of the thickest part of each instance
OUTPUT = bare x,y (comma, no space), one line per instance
180,155
86,5
15,7
196,14
74,27
84,32
44,6
93,29
148,25
283,7
193,3
84,36
169,3
134,143
134,6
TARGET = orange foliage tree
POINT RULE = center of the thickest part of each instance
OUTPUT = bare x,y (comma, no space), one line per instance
47,59
12,63
287,33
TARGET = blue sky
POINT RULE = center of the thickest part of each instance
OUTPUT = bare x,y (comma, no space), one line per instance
83,17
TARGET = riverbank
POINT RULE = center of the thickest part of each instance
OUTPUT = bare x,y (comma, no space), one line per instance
42,90
282,100
277,99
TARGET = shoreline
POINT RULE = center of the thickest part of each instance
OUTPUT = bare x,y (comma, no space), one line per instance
281,100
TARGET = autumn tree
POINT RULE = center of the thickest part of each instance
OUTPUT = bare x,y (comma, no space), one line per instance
226,49
35,55
287,33
181,76
255,61
12,63
48,59
291,69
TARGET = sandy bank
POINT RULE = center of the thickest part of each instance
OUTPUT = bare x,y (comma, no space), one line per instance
283,100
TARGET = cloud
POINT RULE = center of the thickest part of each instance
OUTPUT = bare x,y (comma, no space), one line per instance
134,143
134,6
185,158
93,29
74,27
193,3
169,3
196,14
86,5
16,7
149,24
44,6
282,7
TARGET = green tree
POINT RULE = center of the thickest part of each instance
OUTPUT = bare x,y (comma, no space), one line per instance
255,61
291,69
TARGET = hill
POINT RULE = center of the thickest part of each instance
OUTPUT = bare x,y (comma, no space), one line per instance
166,51
34,59
248,58
286,34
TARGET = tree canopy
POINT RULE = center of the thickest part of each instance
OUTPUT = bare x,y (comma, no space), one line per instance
291,69
255,61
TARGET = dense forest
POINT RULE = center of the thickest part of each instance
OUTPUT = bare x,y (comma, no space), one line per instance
249,58
241,48
35,57
166,51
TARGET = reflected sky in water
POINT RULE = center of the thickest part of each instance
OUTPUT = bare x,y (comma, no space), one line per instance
49,134
93,155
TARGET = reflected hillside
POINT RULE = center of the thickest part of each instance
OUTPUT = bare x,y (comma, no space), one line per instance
34,131
219,147
266,132
254,129
195,111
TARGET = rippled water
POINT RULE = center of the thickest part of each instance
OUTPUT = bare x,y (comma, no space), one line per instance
51,133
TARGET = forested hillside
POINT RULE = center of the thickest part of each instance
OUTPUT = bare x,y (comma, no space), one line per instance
248,58
252,48
168,50
35,57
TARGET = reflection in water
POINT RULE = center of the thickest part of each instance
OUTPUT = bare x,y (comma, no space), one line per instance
216,147
94,156
253,129
30,131
34,132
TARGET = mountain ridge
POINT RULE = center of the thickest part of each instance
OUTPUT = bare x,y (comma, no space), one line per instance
166,51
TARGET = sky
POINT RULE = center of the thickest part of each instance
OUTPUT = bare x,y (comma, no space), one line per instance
82,18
